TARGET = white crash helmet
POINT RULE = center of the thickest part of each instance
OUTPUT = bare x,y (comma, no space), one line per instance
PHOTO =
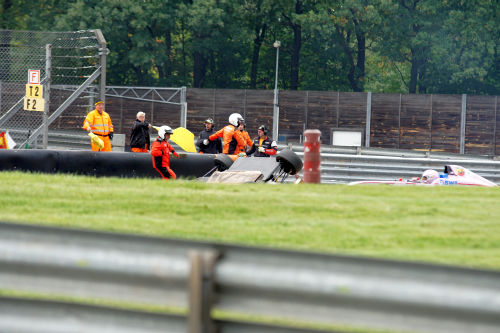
429,176
235,118
164,130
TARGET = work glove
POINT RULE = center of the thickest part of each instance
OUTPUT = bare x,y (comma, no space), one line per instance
110,135
205,142
262,150
242,154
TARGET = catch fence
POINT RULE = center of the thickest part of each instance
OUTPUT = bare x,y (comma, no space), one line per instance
62,58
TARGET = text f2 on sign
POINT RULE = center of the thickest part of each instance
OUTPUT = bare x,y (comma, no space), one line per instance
34,104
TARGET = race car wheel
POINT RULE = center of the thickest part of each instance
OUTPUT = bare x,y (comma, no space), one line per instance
223,162
289,161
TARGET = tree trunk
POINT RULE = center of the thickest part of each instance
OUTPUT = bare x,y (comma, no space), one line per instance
199,70
257,43
168,64
415,64
360,65
412,89
294,68
165,69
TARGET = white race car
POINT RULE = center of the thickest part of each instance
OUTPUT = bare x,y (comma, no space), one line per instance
452,175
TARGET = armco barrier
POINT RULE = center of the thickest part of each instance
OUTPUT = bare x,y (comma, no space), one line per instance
328,289
347,164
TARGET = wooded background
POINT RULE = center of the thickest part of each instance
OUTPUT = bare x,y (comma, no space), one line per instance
382,46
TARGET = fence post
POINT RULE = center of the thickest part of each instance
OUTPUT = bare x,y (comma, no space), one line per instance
103,52
368,118
1,97
48,69
399,121
495,128
337,109
462,124
183,107
201,289
430,127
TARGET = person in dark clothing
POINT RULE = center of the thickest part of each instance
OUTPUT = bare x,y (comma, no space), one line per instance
204,145
139,134
263,146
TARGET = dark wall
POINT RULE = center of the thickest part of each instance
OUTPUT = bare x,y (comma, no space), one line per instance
426,122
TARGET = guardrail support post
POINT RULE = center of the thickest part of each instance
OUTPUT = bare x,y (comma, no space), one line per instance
201,290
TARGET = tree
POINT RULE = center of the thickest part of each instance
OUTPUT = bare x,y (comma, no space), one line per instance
407,34
138,36
218,42
258,15
292,12
464,55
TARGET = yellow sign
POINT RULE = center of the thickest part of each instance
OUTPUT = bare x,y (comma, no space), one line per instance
34,104
34,91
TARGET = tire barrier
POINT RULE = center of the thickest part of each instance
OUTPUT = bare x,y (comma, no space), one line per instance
110,164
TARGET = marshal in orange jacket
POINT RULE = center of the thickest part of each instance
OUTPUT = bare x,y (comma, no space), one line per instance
160,151
228,133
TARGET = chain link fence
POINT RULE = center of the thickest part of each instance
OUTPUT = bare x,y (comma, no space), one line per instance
63,58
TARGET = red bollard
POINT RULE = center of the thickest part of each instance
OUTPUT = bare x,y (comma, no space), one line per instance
312,156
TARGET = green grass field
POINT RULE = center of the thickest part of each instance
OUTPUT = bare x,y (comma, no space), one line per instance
452,225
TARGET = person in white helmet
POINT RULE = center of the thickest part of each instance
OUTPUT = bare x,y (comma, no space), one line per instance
160,151
231,137
429,176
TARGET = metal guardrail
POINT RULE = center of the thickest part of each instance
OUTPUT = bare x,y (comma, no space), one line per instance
329,289
347,164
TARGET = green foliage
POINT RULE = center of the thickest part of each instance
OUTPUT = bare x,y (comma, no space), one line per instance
454,225
421,46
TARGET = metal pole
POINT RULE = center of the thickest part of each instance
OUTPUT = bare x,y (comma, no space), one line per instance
103,52
276,110
495,128
399,121
48,69
0,97
430,127
462,124
368,118
183,108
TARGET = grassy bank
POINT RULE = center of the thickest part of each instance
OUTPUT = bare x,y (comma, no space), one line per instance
454,225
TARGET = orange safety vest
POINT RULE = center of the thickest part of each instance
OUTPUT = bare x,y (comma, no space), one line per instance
98,124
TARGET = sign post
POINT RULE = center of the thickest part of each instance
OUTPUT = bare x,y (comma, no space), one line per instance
33,101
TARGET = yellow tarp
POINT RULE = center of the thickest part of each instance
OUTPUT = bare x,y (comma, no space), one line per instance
184,138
